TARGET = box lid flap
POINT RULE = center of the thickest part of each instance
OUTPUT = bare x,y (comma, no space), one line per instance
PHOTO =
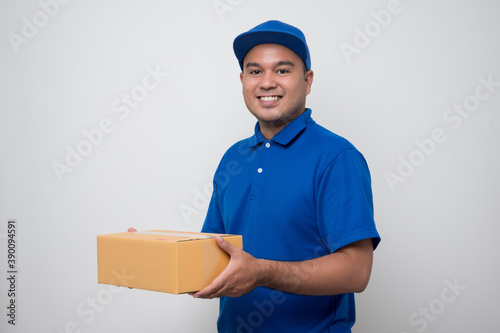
178,236
164,235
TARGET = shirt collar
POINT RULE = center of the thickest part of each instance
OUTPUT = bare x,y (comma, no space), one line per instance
287,134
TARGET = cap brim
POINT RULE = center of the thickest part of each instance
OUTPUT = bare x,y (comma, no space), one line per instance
246,41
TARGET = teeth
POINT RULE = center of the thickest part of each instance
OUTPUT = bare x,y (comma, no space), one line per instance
269,98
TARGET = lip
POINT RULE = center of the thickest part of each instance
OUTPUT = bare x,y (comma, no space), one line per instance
270,103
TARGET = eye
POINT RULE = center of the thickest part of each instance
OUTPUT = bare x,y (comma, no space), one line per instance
282,71
255,72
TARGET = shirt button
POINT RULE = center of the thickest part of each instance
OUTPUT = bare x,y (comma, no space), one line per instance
268,145
259,170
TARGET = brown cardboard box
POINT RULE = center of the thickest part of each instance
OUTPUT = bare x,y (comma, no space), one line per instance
159,260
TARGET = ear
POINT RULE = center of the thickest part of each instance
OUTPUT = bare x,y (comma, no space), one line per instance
309,76
241,77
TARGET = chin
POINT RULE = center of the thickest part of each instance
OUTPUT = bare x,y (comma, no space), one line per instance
268,118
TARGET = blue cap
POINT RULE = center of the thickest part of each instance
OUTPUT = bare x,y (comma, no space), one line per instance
272,32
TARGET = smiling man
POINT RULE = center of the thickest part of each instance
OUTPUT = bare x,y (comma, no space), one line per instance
299,194
275,85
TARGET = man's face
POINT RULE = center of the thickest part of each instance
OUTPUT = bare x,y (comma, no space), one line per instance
275,86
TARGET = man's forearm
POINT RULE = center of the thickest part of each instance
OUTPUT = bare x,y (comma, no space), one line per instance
347,270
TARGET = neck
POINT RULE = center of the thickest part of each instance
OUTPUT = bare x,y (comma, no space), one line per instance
269,129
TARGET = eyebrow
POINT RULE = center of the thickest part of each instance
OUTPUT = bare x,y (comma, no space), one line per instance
285,63
280,63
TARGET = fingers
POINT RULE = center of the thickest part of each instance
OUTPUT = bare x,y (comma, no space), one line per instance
216,288
236,279
226,246
211,291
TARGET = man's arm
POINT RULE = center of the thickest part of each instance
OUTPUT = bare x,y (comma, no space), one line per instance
346,270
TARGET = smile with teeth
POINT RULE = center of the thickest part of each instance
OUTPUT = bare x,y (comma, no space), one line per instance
269,98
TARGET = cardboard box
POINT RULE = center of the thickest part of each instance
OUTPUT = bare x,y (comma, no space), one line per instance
159,260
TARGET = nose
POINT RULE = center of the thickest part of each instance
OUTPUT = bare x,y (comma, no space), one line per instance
268,81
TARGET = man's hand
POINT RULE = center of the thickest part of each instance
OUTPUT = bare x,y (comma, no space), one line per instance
344,271
240,276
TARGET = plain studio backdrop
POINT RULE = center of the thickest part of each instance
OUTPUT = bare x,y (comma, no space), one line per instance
116,114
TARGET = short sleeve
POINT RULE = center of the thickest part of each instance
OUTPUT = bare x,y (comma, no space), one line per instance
213,221
345,202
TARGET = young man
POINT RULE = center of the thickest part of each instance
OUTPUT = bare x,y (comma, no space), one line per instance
300,196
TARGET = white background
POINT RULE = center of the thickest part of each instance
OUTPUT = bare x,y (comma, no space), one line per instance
438,220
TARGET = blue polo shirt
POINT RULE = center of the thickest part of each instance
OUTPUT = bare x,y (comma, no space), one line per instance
301,195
